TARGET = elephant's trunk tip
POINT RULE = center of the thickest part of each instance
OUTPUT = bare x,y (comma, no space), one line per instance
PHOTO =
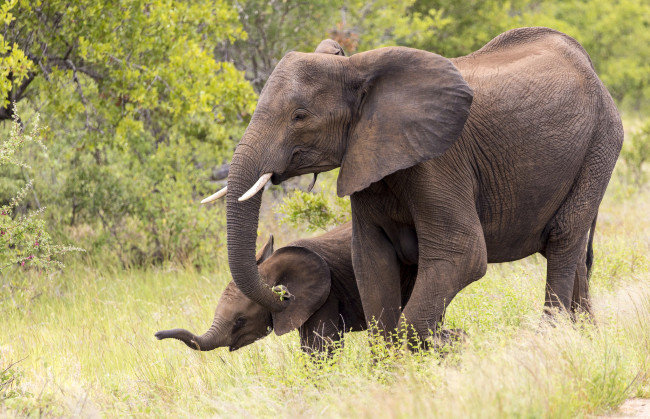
163,334
183,335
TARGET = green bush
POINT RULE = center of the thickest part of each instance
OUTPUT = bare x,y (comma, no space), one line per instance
636,152
10,378
316,211
144,220
24,240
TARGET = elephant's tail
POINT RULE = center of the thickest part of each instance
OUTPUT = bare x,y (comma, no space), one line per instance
590,247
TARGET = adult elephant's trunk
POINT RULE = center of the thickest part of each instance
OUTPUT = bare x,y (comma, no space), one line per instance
242,222
217,336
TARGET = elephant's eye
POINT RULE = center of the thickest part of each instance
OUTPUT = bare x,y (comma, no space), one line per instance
299,115
239,323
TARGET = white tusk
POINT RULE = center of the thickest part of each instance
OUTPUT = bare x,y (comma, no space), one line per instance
256,188
215,196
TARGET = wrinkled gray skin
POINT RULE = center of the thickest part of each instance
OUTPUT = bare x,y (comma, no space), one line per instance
325,300
450,165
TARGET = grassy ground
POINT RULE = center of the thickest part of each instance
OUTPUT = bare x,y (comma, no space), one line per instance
83,345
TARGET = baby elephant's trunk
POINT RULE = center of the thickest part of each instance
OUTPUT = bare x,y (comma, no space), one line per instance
183,335
213,338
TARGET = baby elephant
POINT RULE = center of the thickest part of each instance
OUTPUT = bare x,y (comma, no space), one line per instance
325,299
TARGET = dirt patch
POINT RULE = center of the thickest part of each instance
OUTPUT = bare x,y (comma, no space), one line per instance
632,408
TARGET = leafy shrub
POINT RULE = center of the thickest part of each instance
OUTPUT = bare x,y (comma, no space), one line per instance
636,152
316,211
141,221
24,241
140,107
15,67
10,378
313,209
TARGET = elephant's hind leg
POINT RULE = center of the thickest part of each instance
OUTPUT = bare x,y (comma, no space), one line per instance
567,272
580,300
566,279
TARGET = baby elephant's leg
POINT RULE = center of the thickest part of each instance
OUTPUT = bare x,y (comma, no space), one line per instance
321,332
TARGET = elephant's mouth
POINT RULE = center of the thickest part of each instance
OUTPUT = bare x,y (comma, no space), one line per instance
242,341
278,178
247,339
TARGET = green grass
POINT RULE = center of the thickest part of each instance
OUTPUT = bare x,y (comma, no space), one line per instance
84,346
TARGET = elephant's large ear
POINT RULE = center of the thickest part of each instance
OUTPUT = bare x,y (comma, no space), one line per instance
330,46
308,279
411,107
266,251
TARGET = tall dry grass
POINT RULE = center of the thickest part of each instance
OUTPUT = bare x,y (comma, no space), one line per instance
84,346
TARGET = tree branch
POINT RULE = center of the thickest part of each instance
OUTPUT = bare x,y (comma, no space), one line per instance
81,93
16,94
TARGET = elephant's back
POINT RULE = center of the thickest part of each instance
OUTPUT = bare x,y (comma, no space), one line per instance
537,104
335,246
527,58
523,40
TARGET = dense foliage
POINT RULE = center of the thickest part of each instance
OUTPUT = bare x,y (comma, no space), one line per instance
145,100
139,110
24,240
636,152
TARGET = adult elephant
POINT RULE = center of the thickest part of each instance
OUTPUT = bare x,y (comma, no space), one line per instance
450,164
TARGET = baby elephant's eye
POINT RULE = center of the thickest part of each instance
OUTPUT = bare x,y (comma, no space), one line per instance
239,323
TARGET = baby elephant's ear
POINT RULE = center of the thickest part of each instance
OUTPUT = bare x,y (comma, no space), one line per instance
330,46
307,278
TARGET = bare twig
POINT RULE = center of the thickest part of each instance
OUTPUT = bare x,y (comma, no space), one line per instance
28,180
80,91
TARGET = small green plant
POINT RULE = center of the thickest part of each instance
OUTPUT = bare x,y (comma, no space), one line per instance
282,292
24,241
636,152
10,378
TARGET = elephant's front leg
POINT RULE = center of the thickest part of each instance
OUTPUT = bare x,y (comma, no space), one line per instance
377,271
447,264
434,289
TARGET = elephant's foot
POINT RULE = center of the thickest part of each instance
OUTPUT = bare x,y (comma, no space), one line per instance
555,317
442,341
445,341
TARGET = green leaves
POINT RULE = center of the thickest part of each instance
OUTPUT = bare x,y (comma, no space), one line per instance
616,36
636,152
24,240
316,211
15,67
139,108
97,63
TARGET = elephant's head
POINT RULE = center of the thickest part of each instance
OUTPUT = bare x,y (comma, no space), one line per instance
239,321
371,114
